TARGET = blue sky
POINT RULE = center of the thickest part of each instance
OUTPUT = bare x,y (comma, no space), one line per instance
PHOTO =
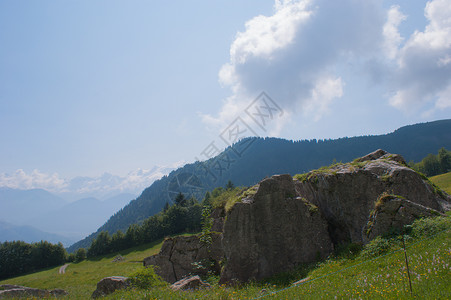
88,87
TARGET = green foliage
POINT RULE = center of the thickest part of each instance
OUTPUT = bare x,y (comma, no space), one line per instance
80,255
182,217
428,226
226,198
19,257
376,247
71,257
146,278
420,228
433,165
301,177
229,185
180,199
207,223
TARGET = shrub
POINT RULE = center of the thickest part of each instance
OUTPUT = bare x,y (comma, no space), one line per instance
145,278
376,247
429,226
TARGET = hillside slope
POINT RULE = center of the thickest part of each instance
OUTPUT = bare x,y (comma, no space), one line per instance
349,274
252,159
443,181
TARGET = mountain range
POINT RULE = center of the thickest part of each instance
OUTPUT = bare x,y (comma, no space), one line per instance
249,160
29,234
34,215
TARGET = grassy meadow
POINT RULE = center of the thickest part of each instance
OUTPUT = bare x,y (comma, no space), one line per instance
81,278
376,271
443,181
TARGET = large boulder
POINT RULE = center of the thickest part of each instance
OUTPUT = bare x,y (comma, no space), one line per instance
108,285
392,213
283,222
346,193
272,231
17,291
183,256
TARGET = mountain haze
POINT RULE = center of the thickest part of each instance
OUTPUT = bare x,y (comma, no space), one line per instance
29,234
19,206
77,219
251,159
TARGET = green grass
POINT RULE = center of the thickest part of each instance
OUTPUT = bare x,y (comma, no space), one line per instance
80,279
443,181
356,275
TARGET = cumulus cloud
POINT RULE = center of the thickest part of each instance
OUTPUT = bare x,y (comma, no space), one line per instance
293,54
36,179
307,52
107,184
392,37
423,72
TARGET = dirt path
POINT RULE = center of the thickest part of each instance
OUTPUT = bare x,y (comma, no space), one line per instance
62,270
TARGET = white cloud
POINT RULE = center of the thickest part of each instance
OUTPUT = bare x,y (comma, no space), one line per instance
392,36
107,184
423,73
293,55
21,180
308,50
324,92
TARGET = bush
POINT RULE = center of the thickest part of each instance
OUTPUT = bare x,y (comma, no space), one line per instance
429,226
80,255
145,278
376,247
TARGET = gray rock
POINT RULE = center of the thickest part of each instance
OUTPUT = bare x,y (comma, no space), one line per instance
218,216
346,193
392,213
273,231
182,256
17,291
58,293
284,222
118,258
189,283
108,285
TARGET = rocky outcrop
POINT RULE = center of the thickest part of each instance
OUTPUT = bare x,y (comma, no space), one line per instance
182,256
283,222
189,283
108,285
392,213
17,291
218,216
346,193
272,231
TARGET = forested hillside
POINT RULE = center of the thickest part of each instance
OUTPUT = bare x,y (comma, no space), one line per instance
252,159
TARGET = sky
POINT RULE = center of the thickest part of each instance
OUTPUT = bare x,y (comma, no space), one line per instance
89,88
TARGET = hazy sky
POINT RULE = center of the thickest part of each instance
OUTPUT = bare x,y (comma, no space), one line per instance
88,87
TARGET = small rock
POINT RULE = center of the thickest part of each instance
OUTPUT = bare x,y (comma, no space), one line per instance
301,281
189,283
118,258
58,293
108,285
